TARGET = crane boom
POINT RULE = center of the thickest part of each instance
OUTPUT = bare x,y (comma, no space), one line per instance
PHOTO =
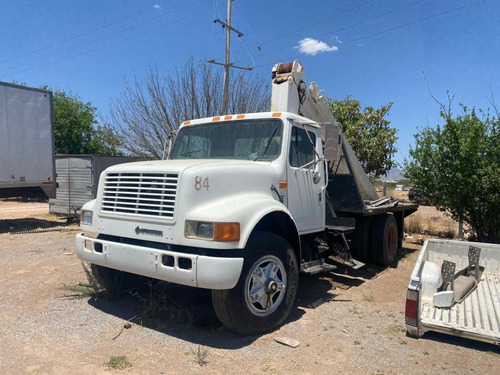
290,94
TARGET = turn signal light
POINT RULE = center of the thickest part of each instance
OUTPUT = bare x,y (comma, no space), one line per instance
227,232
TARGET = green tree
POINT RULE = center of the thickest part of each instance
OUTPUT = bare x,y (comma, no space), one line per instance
368,133
76,130
457,166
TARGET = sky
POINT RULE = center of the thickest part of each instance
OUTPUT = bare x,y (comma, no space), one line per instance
408,52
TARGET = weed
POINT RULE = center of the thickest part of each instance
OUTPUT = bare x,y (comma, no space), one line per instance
78,289
200,355
494,354
96,284
430,221
369,297
354,310
119,363
425,352
403,342
159,308
397,329
357,342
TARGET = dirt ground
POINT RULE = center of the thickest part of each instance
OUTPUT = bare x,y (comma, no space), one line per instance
349,322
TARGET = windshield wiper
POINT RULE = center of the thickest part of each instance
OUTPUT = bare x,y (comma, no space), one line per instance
189,153
259,155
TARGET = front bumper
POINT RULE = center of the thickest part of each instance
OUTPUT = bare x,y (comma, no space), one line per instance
187,269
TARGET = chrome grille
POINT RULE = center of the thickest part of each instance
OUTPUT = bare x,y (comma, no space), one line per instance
150,194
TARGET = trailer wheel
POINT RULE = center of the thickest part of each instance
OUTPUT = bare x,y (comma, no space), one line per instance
114,282
360,240
266,292
384,240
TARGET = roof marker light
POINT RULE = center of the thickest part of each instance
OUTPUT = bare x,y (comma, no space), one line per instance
277,114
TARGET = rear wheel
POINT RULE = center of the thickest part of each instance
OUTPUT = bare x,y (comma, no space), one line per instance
384,240
360,240
266,291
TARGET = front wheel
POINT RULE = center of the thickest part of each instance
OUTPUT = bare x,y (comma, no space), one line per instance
266,292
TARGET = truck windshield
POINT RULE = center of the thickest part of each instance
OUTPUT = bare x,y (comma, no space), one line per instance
241,139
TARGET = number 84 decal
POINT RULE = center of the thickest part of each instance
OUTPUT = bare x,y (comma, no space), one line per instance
200,182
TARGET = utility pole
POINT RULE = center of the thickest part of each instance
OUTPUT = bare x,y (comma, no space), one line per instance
227,64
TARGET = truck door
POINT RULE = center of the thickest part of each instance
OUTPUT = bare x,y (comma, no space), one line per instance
306,179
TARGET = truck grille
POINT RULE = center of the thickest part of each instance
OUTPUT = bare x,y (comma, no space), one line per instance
150,194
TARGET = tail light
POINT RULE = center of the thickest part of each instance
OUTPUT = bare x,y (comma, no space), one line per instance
411,310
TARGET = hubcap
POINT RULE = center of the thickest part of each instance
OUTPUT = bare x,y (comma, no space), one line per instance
265,285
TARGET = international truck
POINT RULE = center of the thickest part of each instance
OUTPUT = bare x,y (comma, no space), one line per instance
455,289
27,164
244,203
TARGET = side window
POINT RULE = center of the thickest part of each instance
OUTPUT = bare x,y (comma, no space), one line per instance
301,149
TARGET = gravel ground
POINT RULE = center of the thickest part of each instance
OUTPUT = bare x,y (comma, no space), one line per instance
349,322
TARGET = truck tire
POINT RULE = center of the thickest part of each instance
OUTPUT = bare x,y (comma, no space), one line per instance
114,282
384,240
266,291
360,240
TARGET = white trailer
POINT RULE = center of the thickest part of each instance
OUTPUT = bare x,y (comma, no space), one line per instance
455,289
27,166
244,203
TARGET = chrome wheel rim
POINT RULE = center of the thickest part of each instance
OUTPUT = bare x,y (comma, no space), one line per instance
265,285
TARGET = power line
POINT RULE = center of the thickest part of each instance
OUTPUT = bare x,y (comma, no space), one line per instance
76,36
348,27
83,44
91,41
396,27
311,25
107,45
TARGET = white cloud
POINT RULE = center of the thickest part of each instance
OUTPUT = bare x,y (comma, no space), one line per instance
311,46
157,6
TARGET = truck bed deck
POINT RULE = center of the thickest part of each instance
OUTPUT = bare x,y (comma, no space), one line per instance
477,315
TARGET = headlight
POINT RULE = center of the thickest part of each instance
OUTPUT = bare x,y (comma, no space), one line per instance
86,217
220,232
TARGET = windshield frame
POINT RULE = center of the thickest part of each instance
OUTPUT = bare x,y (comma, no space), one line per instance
267,138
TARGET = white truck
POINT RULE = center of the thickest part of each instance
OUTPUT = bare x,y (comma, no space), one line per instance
243,204
455,289
27,164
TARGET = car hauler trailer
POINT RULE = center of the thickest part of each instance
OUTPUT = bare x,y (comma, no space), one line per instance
27,166
243,204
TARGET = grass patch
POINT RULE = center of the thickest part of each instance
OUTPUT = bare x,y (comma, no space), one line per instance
96,284
159,309
78,289
430,221
397,329
369,297
119,363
